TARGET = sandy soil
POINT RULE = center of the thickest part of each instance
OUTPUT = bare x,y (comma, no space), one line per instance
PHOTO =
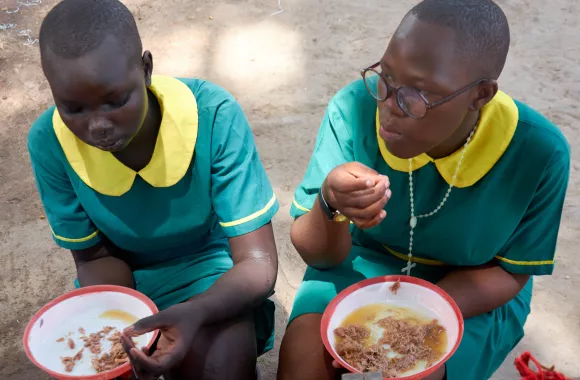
283,69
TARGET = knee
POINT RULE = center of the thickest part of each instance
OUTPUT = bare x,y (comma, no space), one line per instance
302,354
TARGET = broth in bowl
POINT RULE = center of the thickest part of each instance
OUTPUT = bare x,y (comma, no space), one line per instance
397,341
402,326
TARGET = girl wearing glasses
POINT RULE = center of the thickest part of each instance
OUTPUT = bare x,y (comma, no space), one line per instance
443,176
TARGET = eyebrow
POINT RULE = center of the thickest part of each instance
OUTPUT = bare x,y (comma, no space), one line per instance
69,103
411,76
116,92
385,64
108,95
414,78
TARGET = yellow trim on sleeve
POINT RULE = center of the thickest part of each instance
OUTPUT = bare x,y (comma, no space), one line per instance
80,240
513,262
253,216
414,259
299,207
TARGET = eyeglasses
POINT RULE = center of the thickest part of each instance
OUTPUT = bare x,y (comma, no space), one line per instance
413,103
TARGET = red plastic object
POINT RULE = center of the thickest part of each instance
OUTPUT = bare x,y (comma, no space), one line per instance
522,364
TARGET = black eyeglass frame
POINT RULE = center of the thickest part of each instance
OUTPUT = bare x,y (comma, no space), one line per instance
395,90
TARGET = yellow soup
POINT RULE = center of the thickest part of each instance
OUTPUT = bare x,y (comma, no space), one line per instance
119,315
376,318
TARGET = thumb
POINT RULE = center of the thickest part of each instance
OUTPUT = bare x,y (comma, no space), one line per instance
146,325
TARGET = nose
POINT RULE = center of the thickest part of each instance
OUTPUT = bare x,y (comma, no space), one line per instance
100,128
391,107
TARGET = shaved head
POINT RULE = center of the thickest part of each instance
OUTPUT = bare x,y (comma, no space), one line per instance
481,31
74,28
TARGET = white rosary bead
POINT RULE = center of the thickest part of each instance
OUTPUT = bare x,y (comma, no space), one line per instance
415,218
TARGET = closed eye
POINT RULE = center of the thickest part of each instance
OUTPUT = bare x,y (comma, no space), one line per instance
120,102
388,78
71,108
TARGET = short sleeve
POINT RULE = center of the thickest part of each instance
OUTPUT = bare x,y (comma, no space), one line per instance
333,148
531,248
71,227
242,195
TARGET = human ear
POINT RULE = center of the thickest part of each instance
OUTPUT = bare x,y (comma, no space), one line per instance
147,62
486,90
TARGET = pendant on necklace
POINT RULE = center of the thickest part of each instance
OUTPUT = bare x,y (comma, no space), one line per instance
413,222
408,268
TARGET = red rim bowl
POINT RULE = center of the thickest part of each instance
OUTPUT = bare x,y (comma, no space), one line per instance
119,371
331,308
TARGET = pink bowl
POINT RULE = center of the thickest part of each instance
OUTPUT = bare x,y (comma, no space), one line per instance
82,308
413,293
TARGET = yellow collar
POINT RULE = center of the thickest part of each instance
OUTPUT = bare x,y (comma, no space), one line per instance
497,125
173,150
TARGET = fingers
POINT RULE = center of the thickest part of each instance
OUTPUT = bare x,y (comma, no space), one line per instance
365,198
349,183
379,205
352,176
336,365
360,193
141,374
146,325
359,170
128,345
159,363
368,212
365,224
372,215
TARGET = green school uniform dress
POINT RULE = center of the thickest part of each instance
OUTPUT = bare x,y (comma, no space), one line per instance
205,183
505,207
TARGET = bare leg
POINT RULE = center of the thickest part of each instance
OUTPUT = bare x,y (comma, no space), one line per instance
226,351
302,355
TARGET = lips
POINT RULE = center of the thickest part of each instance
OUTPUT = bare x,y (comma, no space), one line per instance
109,146
388,134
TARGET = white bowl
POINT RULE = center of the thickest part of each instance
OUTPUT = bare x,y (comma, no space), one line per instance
414,293
83,308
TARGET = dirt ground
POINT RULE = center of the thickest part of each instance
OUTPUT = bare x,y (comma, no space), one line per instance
283,68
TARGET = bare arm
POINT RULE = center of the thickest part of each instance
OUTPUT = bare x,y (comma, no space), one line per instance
359,193
320,242
97,266
482,289
234,294
247,284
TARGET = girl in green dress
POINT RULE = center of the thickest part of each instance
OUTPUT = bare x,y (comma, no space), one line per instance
155,183
443,176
